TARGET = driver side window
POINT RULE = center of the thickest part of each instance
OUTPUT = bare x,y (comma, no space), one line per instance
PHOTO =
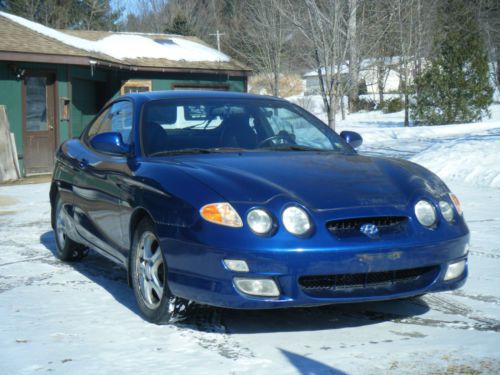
290,124
117,118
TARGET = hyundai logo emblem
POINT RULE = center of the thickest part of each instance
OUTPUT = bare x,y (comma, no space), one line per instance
369,230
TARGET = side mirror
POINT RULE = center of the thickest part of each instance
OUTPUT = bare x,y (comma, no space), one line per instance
109,142
352,138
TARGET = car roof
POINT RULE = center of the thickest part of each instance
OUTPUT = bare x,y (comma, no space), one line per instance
184,94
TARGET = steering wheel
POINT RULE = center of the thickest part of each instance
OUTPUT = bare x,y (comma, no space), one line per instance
281,135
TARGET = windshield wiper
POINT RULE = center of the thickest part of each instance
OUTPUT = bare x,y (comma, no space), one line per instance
227,149
182,151
197,151
293,148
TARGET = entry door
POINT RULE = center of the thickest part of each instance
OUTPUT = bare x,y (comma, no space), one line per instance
39,123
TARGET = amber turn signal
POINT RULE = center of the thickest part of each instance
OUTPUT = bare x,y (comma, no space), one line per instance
222,214
456,202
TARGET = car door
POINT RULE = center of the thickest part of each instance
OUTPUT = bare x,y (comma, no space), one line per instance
101,194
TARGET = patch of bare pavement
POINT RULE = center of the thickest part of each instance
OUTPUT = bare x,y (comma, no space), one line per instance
36,179
81,317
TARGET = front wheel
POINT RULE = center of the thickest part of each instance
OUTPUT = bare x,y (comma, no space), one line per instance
149,278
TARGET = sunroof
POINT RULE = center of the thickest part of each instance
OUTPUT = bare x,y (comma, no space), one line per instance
165,42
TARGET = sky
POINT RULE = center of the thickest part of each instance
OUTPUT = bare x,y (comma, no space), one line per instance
128,6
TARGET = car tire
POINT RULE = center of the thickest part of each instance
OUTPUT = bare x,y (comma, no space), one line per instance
67,249
149,269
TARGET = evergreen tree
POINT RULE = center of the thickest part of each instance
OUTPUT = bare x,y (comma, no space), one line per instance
454,87
65,14
179,26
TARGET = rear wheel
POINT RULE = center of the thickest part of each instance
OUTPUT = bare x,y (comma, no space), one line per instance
149,278
67,249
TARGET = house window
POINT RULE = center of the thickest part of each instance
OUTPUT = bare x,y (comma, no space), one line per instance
135,85
200,87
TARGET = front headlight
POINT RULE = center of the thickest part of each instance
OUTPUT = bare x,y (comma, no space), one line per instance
446,211
296,221
222,214
425,213
260,221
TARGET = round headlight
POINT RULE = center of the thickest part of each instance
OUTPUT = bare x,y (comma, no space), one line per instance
296,221
446,211
425,213
259,221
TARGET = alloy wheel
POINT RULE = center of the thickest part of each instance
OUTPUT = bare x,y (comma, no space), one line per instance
60,226
150,270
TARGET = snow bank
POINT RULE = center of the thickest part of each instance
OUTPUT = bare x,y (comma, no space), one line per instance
467,153
131,46
472,159
391,130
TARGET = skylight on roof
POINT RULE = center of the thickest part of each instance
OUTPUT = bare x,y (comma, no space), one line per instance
165,42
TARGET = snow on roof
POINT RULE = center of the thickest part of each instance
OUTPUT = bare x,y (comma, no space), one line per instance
130,46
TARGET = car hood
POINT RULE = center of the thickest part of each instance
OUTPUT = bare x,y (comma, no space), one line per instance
319,180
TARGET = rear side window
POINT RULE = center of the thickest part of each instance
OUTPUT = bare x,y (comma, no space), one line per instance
117,118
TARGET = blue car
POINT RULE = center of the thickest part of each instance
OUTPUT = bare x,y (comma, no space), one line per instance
250,202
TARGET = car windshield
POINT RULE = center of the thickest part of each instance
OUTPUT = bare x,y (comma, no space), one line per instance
201,125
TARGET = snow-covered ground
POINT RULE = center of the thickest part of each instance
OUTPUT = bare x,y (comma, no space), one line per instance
81,318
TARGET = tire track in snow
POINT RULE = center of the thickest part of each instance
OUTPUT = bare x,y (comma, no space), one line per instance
447,307
206,326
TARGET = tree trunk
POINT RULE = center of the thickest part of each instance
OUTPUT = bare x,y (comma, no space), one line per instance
353,55
498,70
380,82
331,113
380,95
342,107
276,88
407,105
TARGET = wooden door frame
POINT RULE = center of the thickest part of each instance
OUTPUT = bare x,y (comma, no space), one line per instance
38,73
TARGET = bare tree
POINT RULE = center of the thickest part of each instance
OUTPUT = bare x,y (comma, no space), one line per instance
489,17
352,31
260,38
323,23
377,39
94,12
414,19
150,16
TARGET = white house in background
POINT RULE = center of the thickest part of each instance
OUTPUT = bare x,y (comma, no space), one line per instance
368,74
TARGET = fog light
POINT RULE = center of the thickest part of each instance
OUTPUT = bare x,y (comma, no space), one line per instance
454,270
236,265
257,287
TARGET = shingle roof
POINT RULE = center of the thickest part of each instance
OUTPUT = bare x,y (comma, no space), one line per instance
16,38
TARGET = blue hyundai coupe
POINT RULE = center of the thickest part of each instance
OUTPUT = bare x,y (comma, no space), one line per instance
250,202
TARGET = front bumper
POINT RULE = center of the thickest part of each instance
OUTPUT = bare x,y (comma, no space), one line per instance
197,272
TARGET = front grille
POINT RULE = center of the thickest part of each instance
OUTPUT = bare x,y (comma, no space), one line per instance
351,227
363,280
